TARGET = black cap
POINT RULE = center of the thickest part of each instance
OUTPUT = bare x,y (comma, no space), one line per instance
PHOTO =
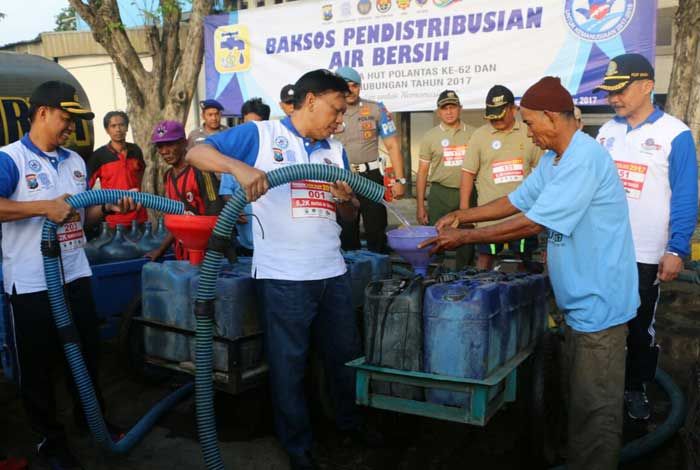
206,104
60,95
623,70
448,97
497,100
287,94
319,81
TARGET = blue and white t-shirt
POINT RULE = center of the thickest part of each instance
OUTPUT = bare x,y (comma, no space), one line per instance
590,254
28,174
658,168
298,238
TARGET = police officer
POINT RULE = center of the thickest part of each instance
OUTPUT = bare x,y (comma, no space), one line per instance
656,160
211,117
442,152
366,121
37,174
287,99
499,157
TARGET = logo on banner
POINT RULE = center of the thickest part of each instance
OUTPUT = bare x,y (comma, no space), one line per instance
327,11
346,9
383,6
443,3
232,48
364,6
598,20
403,4
421,2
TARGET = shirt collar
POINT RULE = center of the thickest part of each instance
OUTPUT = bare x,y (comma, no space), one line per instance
516,126
651,119
62,153
309,144
451,129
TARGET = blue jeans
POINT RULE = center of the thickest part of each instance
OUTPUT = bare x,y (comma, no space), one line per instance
294,314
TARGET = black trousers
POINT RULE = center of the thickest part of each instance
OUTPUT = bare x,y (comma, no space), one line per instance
374,220
39,352
642,351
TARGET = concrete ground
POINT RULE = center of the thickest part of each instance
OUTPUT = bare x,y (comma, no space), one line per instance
245,421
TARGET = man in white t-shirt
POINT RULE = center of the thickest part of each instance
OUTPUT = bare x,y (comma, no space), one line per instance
36,176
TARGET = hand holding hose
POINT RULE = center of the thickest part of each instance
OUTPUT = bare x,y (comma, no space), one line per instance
253,181
58,210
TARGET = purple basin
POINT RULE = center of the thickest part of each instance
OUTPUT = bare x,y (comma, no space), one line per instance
405,242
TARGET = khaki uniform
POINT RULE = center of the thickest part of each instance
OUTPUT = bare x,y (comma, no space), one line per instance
445,149
500,161
198,136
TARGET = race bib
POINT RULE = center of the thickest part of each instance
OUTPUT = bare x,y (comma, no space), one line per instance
312,199
508,171
632,176
453,155
70,235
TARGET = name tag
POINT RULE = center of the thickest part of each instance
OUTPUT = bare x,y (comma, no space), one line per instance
508,171
632,176
71,235
453,155
312,199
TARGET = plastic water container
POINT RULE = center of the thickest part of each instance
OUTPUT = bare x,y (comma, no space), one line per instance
236,314
119,248
462,337
381,264
540,284
524,311
393,331
361,274
243,265
167,298
92,248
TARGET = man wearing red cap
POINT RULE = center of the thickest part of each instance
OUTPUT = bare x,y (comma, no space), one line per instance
574,193
655,157
197,190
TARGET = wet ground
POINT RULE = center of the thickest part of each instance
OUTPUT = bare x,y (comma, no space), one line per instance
413,443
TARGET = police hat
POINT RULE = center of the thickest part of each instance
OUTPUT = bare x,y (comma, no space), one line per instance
448,97
623,70
497,100
60,95
287,94
349,74
206,104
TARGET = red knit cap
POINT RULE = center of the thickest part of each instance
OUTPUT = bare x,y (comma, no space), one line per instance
548,95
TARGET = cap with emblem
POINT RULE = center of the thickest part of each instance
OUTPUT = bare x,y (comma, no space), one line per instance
167,131
206,104
623,70
448,97
287,94
497,100
349,74
60,95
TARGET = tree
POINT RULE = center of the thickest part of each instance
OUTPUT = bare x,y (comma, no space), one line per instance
684,89
66,20
165,91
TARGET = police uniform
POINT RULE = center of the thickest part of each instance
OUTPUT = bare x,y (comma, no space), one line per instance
365,122
200,134
300,274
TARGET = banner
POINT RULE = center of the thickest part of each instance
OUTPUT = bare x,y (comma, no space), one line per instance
408,51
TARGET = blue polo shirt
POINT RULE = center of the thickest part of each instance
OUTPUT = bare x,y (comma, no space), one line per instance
590,253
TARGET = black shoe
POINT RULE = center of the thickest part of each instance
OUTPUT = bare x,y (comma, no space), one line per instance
363,436
637,403
303,462
56,455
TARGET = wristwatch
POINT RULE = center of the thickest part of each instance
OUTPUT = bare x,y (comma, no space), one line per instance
401,180
673,253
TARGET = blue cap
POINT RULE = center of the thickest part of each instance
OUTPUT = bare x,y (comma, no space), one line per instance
349,74
206,104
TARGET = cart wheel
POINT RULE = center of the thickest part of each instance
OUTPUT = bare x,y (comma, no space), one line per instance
320,388
131,348
541,397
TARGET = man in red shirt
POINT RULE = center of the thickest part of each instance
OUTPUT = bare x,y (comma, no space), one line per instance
197,190
118,165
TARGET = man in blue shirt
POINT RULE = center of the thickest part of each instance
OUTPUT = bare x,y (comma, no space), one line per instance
301,276
574,193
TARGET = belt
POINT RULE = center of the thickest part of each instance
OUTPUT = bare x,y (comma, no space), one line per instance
364,167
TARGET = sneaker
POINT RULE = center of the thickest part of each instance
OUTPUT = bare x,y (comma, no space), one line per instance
637,404
56,455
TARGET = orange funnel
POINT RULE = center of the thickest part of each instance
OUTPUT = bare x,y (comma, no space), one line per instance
193,231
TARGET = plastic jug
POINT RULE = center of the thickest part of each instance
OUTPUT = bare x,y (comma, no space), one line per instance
361,275
134,235
92,248
119,248
381,264
160,232
147,242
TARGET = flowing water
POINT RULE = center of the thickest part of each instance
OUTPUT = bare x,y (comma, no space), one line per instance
404,222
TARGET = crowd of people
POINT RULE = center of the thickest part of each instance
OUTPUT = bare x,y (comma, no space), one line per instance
619,211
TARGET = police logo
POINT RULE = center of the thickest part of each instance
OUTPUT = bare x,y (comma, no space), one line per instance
364,6
281,142
289,155
445,142
32,183
496,144
34,165
598,20
189,196
383,6
346,9
277,155
612,69
328,161
444,3
650,144
44,179
77,174
403,4
327,11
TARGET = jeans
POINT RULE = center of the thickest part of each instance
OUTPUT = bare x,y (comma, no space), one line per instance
294,314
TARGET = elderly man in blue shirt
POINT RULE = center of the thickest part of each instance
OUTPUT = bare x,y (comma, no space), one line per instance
575,194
